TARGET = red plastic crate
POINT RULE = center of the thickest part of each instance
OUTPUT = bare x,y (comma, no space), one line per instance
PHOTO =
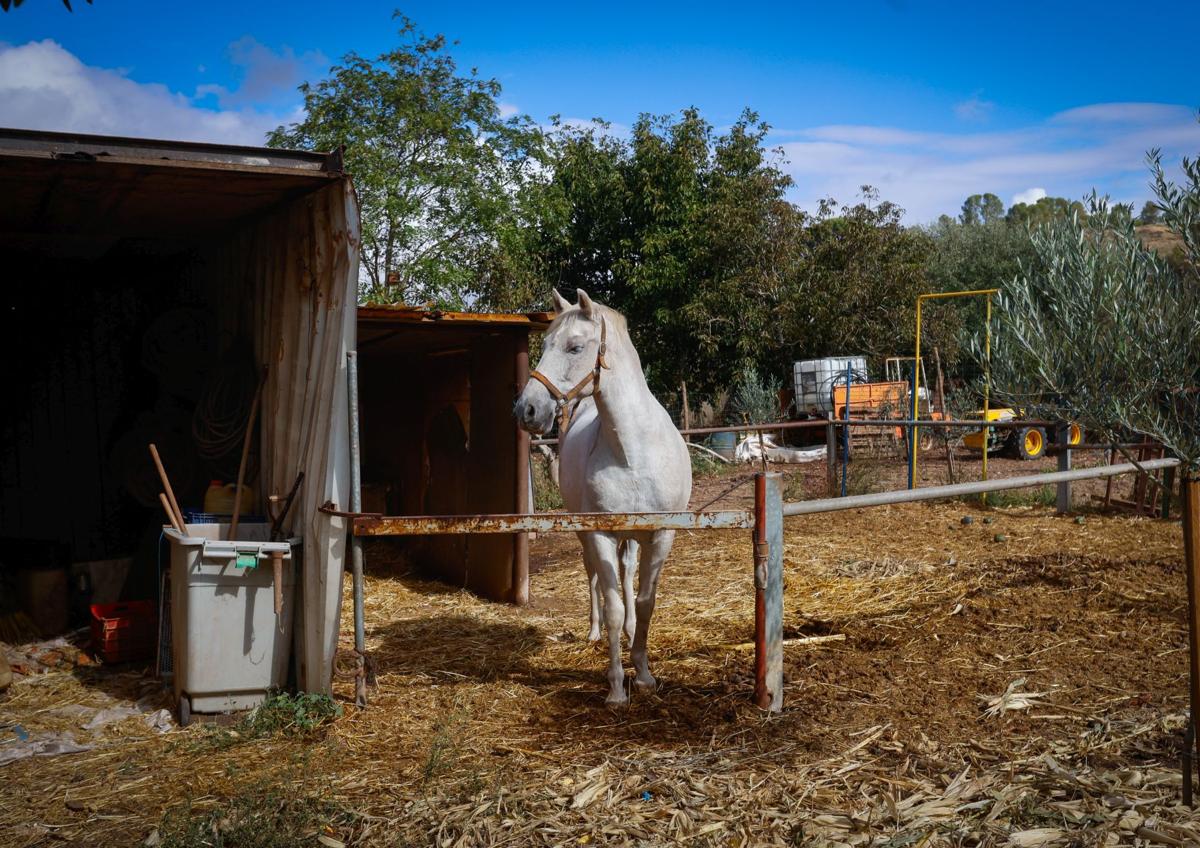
125,631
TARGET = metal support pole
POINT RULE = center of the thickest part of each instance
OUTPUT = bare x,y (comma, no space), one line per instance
916,407
1063,501
768,592
987,387
830,456
846,434
520,566
356,553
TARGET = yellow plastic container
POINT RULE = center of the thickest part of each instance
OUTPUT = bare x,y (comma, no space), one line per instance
219,498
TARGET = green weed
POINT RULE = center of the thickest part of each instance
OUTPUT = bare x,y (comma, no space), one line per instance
262,815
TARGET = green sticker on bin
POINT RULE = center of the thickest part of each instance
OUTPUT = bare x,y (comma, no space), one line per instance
247,561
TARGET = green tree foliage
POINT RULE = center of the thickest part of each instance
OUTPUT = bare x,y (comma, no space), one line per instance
857,281
981,209
1102,330
684,230
1045,211
436,168
968,257
1150,213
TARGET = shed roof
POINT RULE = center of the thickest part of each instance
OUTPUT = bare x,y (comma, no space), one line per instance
81,192
400,314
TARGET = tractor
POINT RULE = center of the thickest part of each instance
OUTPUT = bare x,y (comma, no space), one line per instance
1021,442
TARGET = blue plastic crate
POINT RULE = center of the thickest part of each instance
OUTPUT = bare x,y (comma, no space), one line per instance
195,516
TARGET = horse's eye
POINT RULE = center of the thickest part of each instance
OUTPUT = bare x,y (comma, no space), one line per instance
575,349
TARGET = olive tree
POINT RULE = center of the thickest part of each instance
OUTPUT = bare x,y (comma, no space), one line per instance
1101,330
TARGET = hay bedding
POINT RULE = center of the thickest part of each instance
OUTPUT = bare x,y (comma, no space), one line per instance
1023,693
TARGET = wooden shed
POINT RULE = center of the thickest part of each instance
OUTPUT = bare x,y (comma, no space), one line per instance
438,438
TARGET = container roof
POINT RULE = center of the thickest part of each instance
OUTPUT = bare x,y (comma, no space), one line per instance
401,314
80,194
402,329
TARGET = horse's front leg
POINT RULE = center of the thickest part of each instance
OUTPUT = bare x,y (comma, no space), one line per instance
594,605
593,592
654,553
602,549
629,567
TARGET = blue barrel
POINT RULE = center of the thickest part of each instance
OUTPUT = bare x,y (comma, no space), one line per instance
724,443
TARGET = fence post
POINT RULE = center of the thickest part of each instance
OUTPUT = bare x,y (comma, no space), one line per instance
768,592
1190,486
830,456
1062,434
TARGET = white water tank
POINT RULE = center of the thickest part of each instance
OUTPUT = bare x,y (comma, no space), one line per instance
815,378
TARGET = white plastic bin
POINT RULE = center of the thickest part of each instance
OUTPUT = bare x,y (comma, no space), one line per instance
228,647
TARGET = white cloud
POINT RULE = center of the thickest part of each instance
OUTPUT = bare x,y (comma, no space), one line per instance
974,108
1029,195
44,86
1101,146
264,75
507,110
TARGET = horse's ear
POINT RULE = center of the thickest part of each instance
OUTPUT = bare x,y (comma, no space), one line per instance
560,302
584,303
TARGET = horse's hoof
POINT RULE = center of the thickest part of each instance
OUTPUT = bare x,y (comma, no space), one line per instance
629,631
645,686
594,636
617,702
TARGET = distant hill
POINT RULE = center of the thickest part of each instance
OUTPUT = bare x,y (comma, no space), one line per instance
1161,240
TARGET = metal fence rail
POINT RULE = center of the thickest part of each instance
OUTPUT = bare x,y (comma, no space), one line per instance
551,522
766,520
976,488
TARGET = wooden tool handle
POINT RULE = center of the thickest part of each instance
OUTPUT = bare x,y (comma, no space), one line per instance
166,505
249,436
277,567
162,473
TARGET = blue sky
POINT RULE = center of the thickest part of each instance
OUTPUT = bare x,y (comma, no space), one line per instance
930,102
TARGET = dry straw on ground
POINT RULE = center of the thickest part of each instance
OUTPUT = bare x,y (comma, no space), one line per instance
487,726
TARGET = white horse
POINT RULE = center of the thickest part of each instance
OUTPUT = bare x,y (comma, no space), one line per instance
620,453
573,441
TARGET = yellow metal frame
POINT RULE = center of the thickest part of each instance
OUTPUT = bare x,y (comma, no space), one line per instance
987,375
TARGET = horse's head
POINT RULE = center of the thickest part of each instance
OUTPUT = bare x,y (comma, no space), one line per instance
571,355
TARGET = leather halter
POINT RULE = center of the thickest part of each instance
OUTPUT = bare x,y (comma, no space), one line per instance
564,407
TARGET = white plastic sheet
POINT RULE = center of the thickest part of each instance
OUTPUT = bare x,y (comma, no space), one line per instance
751,449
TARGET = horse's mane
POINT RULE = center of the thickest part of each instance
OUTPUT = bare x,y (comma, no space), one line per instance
614,318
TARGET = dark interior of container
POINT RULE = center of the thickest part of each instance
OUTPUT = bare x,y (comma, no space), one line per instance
111,334
437,439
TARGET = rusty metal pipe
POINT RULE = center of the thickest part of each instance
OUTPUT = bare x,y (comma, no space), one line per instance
551,522
853,422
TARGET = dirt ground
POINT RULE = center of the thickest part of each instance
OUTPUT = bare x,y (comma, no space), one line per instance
1019,679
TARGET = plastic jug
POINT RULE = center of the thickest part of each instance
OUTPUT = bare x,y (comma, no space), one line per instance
219,498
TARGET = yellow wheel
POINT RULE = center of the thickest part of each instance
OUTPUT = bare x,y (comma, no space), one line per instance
1074,434
1031,442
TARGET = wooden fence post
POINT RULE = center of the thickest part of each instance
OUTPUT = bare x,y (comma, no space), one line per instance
768,591
1190,484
